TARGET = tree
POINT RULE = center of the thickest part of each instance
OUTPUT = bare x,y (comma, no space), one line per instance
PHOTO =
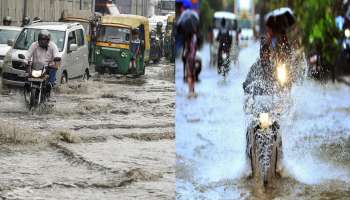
206,16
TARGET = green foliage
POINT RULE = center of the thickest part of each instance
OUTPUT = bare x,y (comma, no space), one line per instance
206,16
316,20
215,4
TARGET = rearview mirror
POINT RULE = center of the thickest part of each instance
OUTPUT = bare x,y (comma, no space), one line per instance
73,47
21,56
10,43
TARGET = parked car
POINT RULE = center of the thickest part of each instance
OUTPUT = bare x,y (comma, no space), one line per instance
8,35
72,46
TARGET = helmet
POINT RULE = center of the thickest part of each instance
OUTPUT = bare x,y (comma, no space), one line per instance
7,21
25,21
44,38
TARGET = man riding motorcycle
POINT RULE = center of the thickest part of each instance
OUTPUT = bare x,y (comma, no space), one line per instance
43,53
225,40
269,74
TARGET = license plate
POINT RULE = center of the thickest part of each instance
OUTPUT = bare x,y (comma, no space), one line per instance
35,79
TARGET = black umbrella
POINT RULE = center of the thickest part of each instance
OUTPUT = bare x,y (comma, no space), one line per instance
280,20
188,22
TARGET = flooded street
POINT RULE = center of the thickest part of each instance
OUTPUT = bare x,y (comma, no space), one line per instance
211,138
112,137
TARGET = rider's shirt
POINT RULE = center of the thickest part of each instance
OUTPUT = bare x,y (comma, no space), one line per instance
41,56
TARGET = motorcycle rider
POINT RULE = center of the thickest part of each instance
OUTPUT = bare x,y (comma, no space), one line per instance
7,21
225,40
43,53
274,45
25,21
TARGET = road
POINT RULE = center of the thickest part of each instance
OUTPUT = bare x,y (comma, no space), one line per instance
210,138
109,138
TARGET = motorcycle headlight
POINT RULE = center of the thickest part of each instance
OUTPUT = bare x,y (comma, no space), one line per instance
282,74
123,55
36,73
347,33
224,55
264,120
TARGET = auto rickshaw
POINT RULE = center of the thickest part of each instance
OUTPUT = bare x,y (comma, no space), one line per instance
169,39
114,45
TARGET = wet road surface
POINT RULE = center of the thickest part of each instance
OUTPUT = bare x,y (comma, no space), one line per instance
109,138
210,138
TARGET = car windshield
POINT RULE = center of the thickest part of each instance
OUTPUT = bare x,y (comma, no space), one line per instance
113,34
6,35
230,23
29,35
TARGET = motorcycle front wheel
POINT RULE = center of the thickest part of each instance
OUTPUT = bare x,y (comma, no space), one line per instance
32,100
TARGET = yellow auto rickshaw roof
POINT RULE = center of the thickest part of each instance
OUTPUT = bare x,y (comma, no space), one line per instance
132,20
75,19
117,25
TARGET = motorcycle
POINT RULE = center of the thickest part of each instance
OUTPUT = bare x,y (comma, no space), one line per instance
155,50
346,43
36,91
264,141
224,60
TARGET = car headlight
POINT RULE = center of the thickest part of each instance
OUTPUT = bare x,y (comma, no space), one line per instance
347,33
282,74
264,120
97,51
123,54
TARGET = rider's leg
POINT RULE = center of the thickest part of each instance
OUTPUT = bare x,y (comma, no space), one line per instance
52,79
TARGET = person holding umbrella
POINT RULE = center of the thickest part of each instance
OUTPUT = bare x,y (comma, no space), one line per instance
188,28
274,46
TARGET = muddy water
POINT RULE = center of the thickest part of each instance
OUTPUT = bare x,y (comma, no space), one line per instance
210,139
109,138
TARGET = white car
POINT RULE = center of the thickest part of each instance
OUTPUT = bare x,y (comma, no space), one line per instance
8,35
72,46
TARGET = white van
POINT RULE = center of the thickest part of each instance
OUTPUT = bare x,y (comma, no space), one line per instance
73,50
8,35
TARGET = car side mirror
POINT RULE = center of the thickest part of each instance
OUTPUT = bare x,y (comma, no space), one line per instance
21,56
10,43
73,47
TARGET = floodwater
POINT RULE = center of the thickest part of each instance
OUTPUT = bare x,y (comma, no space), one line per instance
210,138
112,137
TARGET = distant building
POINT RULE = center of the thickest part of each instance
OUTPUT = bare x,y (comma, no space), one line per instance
165,7
46,10
106,7
136,7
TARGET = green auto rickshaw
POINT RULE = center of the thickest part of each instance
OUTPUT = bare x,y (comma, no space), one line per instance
115,40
